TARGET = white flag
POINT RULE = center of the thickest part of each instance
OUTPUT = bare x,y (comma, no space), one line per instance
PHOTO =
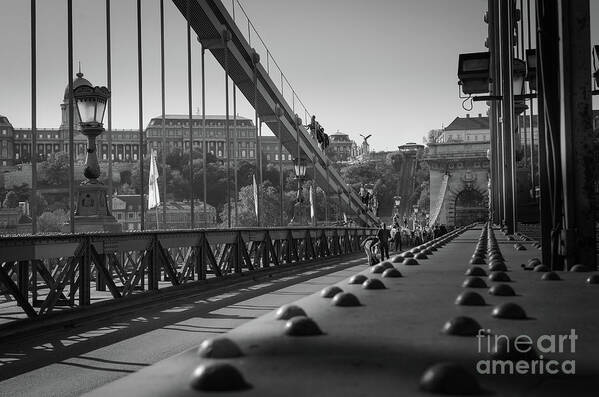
153,193
312,212
255,194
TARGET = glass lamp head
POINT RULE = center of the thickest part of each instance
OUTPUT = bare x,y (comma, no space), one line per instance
91,104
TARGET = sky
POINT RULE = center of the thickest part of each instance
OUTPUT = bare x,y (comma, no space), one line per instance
381,67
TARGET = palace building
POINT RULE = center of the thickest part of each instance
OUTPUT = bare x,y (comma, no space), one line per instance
15,143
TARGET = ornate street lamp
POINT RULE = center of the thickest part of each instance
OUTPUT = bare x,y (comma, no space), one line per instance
397,201
299,215
92,213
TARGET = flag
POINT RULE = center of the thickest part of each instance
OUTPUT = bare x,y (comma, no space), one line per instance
255,194
153,193
312,211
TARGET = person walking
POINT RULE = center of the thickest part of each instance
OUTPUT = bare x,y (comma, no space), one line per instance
383,236
397,239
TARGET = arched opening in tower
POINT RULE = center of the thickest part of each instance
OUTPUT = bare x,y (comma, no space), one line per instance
470,206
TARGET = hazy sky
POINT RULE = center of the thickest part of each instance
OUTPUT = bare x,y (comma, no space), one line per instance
382,67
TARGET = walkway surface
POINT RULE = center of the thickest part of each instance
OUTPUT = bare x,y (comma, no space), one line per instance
72,361
383,347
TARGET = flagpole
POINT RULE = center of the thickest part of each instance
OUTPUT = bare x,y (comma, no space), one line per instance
156,208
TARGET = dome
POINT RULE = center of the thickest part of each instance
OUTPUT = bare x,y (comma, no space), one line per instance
79,81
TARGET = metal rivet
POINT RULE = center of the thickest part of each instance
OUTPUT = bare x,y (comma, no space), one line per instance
407,254
579,269
449,378
392,273
594,279
357,279
540,268
415,250
476,271
498,267
502,290
461,326
477,261
302,326
509,310
345,299
330,291
421,255
377,269
286,312
410,262
496,256
373,283
397,259
506,350
519,247
218,377
550,276
219,348
534,261
470,298
499,276
387,265
474,282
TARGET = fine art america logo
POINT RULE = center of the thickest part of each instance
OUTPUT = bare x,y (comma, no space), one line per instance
523,355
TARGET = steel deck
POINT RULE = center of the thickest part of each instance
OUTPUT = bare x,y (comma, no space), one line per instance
384,346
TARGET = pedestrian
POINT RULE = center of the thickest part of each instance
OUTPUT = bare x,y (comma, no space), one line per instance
442,229
369,245
397,239
383,236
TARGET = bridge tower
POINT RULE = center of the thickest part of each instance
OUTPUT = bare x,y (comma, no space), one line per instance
410,152
459,172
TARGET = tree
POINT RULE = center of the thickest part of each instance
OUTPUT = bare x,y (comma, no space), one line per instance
56,170
270,210
11,200
52,221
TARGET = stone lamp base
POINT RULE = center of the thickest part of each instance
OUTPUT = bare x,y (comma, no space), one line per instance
300,215
92,214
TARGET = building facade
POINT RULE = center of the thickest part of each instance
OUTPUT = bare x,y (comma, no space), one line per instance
341,147
6,142
126,210
16,143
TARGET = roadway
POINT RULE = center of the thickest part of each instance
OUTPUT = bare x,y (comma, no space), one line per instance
71,361
384,346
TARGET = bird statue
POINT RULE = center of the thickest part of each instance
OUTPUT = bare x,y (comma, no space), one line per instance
365,137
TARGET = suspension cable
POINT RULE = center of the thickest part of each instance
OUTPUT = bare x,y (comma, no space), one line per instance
190,117
140,110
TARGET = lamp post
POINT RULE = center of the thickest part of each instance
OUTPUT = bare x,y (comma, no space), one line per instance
299,215
92,212
415,216
397,202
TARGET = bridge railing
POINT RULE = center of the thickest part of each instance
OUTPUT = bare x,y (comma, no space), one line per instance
49,273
